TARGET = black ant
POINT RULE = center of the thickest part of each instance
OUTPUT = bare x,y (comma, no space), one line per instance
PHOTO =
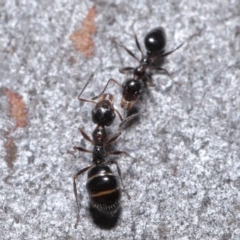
133,88
102,185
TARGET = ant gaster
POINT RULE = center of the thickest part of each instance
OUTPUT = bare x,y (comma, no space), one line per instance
102,185
132,88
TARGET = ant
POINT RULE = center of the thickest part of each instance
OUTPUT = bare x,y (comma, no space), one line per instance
132,88
102,185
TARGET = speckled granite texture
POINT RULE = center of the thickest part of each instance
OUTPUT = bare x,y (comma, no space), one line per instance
186,183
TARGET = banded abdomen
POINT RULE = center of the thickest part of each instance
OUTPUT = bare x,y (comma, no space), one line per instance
103,189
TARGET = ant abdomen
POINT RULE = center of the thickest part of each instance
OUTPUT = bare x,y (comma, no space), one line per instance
155,41
103,189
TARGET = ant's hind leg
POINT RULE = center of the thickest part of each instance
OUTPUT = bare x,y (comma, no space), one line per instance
149,80
112,138
134,115
168,74
120,176
120,152
75,189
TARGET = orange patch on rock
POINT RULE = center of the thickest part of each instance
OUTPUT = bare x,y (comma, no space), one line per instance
17,108
82,38
11,151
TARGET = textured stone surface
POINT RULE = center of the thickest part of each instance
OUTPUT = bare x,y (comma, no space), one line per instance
187,181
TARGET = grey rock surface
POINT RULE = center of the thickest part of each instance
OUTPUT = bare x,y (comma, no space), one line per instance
186,182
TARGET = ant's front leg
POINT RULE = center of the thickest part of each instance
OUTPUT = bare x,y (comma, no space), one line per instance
79,96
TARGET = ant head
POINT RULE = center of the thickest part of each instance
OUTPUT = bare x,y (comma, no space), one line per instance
155,41
132,89
103,113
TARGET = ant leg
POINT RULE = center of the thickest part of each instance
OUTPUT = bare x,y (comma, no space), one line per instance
162,55
88,81
130,52
86,100
170,52
126,70
82,149
83,99
162,69
121,152
134,115
75,189
165,71
138,44
120,176
112,138
118,113
169,75
149,80
125,112
85,135
101,93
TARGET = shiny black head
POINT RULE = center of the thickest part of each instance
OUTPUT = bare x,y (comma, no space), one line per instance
132,89
103,113
155,41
